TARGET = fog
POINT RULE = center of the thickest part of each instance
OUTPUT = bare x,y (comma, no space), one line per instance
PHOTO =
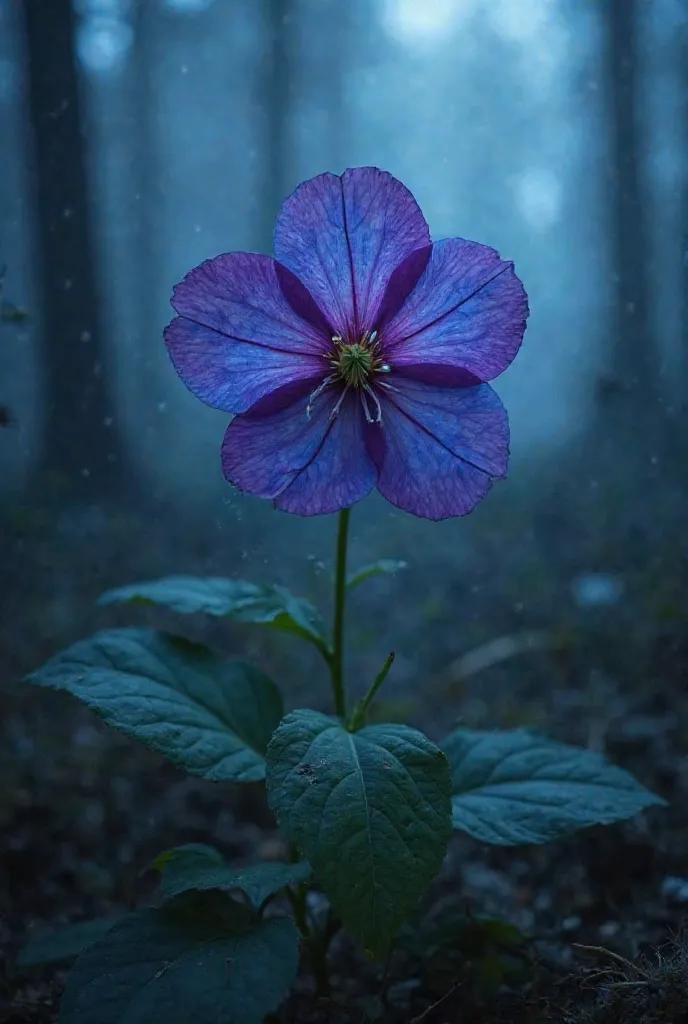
140,139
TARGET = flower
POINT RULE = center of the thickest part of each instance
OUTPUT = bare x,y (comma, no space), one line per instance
358,357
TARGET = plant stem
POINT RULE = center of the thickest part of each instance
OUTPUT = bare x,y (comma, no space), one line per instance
337,664
297,898
314,941
319,965
361,710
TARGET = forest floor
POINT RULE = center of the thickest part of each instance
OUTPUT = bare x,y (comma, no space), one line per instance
83,810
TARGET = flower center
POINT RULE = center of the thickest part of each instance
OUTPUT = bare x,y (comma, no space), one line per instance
355,365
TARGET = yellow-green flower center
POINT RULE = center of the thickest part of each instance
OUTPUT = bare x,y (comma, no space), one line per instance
357,363
354,363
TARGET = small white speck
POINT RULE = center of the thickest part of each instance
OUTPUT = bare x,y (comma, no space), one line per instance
596,590
571,924
676,889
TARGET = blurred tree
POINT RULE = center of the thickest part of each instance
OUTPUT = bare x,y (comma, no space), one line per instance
144,214
277,103
634,361
683,339
80,445
633,448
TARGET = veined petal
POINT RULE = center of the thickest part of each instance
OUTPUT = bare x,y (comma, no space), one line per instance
308,465
468,310
400,285
343,236
237,338
439,448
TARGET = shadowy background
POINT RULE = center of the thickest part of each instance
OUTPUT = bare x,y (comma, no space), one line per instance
140,137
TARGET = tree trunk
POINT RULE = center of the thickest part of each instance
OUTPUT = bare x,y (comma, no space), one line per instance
80,450
277,107
634,356
607,478
683,337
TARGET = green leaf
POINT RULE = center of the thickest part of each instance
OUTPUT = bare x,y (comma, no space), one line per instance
448,939
66,942
370,810
210,716
195,866
239,600
190,960
382,567
516,787
471,935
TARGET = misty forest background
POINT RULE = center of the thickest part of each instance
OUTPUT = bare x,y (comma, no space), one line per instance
139,138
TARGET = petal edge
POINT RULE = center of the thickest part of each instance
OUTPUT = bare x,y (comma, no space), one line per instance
343,237
469,310
236,337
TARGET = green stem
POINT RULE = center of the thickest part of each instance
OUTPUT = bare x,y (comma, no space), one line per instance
314,941
297,898
359,716
337,663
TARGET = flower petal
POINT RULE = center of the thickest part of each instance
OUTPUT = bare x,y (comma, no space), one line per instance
237,337
344,236
468,310
404,279
438,448
309,466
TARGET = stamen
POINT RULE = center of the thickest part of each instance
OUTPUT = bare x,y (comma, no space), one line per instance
356,364
366,409
338,404
378,408
318,391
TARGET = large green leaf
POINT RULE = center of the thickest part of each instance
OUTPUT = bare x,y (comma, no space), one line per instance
370,810
516,787
266,605
66,942
383,567
210,716
194,959
196,866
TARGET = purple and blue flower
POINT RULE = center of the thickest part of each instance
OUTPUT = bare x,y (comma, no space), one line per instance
358,357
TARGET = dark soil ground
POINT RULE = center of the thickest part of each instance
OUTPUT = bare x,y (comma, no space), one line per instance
83,811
